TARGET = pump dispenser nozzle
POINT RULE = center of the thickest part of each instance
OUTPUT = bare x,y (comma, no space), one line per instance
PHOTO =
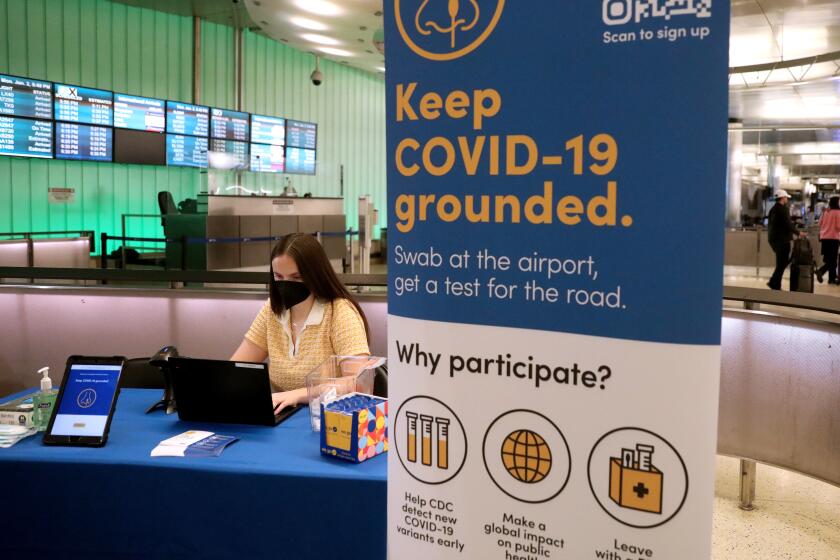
46,382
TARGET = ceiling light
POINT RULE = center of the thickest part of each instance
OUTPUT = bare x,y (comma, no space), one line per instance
320,39
307,23
335,52
321,7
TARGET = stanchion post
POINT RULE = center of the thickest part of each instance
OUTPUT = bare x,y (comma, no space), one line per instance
352,253
183,252
747,485
122,247
103,255
30,254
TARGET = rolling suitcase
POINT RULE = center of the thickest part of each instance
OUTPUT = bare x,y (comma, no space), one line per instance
802,267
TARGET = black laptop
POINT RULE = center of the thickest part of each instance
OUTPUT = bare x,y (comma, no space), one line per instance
222,391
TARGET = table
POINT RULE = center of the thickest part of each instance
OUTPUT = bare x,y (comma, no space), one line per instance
270,495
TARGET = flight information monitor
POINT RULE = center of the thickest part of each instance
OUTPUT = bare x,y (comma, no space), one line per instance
183,118
83,142
23,97
300,160
267,158
83,105
187,151
139,113
268,130
229,125
238,149
26,137
301,134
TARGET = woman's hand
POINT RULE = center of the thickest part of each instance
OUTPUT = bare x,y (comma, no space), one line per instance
286,399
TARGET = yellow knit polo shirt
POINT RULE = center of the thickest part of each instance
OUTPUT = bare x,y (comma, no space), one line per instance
332,328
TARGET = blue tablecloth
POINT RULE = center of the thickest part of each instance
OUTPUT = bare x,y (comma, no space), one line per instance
270,495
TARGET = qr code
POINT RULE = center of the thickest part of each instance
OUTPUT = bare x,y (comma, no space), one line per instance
619,12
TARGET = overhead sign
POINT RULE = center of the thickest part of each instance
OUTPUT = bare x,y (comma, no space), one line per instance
556,185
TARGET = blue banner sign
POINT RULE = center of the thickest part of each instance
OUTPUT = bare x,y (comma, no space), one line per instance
548,163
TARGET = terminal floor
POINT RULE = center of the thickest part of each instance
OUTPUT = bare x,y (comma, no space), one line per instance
746,277
795,517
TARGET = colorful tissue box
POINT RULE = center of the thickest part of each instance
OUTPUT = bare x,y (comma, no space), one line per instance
354,427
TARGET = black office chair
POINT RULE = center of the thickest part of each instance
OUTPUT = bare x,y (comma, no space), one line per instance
166,204
380,382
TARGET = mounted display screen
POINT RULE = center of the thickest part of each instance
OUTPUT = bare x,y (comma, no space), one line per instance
238,149
54,120
267,158
83,105
229,125
268,130
137,146
186,151
300,160
26,137
139,113
301,134
83,142
183,118
24,97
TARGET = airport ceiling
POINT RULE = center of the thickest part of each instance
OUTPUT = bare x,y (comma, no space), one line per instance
767,90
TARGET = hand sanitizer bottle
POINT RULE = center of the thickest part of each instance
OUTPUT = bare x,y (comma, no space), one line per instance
43,401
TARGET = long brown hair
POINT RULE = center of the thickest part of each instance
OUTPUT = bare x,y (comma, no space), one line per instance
315,271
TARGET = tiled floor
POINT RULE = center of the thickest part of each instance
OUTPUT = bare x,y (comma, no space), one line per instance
796,517
746,277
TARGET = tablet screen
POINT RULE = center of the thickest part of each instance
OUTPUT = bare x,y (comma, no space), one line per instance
86,400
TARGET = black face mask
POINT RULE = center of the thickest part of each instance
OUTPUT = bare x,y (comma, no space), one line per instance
291,293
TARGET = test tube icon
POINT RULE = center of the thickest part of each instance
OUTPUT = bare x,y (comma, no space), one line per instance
426,438
411,418
442,442
645,454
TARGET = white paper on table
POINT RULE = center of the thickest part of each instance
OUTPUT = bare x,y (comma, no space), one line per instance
177,445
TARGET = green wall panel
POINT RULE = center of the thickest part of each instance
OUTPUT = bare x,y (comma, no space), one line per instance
98,43
349,108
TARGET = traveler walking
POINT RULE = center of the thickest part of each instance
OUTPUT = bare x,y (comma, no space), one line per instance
830,240
780,232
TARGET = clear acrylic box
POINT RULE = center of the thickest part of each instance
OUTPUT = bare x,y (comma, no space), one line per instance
337,376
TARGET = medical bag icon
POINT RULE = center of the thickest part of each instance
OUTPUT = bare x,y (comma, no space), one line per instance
635,483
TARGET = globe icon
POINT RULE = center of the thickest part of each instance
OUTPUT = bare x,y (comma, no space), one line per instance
526,456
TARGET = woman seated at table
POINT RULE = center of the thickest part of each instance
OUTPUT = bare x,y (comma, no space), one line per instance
308,317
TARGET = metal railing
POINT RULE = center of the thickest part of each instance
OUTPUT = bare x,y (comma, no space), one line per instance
173,277
184,242
29,237
750,400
